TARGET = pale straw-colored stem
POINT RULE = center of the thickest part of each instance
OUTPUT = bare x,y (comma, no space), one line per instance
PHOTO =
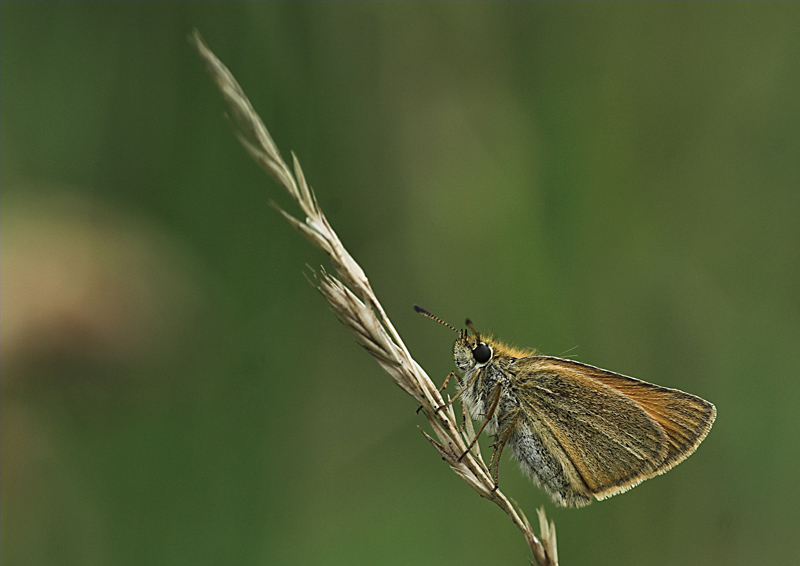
356,305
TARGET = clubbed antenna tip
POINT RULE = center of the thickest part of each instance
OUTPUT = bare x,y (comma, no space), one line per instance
420,310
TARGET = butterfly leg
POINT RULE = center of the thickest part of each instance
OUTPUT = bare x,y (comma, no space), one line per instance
500,443
447,380
461,391
442,388
495,400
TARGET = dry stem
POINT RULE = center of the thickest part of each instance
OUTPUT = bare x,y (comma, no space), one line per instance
358,308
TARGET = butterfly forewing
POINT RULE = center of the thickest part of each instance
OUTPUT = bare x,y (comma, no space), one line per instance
685,418
616,430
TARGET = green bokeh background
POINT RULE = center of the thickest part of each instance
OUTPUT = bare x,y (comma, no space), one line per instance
619,183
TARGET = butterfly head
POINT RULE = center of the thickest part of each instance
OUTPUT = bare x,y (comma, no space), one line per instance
470,351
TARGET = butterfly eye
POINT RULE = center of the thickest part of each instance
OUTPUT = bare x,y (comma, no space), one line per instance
482,353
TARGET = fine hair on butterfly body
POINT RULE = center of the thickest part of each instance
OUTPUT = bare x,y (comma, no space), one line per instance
578,431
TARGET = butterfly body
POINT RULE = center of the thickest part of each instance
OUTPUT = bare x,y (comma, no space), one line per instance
578,431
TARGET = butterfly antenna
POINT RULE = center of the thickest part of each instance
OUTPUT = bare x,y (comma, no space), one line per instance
427,314
472,327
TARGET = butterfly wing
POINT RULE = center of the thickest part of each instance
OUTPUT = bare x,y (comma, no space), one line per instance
617,431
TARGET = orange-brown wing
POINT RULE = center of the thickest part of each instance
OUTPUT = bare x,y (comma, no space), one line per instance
618,431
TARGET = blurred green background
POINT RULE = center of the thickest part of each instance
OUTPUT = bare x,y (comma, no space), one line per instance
619,183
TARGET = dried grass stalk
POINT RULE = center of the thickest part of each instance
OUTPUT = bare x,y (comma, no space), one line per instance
356,305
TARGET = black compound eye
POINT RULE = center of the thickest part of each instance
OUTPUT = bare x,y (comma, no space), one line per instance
482,353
